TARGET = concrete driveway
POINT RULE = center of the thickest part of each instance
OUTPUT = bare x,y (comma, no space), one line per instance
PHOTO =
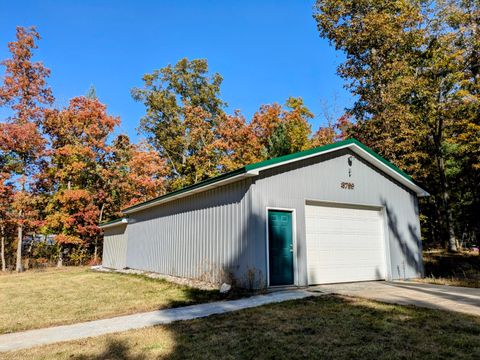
460,299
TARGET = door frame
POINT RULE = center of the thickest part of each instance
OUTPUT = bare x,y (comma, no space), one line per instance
384,227
294,242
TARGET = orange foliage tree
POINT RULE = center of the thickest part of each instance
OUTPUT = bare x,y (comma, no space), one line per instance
273,131
134,173
25,93
237,142
77,153
89,178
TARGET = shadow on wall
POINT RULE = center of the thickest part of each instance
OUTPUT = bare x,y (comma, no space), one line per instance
208,242
246,268
244,253
409,244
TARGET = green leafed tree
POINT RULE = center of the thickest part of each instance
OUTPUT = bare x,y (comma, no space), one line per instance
183,108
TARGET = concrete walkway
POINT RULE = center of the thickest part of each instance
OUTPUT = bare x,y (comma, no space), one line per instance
451,298
31,338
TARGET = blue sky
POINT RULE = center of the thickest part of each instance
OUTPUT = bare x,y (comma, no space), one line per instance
265,50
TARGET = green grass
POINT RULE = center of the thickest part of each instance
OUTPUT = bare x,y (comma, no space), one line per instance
326,327
455,269
63,296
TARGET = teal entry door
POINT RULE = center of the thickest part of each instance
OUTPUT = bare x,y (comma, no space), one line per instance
280,247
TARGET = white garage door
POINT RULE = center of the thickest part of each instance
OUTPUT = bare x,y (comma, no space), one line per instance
344,244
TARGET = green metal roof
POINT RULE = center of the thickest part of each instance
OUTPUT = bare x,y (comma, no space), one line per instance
191,187
324,148
275,161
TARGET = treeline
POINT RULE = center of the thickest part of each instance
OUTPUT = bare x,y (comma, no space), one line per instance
414,69
59,174
412,66
62,170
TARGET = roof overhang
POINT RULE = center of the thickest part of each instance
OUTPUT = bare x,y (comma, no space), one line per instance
369,157
366,154
113,223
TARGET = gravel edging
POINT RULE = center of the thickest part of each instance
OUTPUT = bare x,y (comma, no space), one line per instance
197,284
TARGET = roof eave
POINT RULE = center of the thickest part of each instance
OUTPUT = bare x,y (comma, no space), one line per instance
113,223
388,170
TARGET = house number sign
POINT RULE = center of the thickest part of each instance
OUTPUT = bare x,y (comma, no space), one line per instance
347,185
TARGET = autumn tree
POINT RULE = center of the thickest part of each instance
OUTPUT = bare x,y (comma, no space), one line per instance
463,18
273,131
135,173
237,143
78,153
25,94
89,178
405,63
297,126
132,173
333,131
283,130
172,95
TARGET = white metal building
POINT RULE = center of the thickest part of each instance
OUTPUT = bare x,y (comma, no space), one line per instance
337,213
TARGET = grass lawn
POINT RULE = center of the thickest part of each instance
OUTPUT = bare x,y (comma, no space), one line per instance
314,328
62,296
460,269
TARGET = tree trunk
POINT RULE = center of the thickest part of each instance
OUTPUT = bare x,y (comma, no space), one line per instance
29,253
440,158
439,226
60,257
60,251
95,252
452,241
2,250
19,266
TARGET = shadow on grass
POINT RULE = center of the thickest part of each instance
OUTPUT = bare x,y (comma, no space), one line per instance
322,327
115,350
192,295
462,267
198,296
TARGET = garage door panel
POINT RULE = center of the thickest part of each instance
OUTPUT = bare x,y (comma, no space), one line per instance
349,227
334,276
344,244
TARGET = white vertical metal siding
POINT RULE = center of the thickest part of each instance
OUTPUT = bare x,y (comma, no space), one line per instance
222,230
319,179
115,247
203,236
